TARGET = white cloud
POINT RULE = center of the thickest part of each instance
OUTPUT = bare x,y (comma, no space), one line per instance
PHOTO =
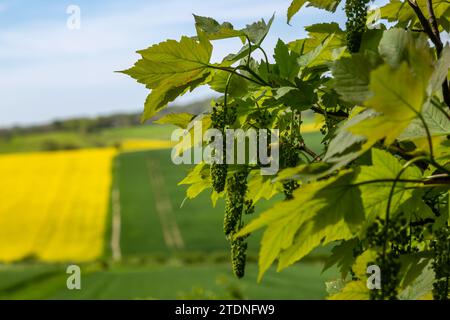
48,71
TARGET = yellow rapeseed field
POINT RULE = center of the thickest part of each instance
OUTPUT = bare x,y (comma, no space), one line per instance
54,206
132,145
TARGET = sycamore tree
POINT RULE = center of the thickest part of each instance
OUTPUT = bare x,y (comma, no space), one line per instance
378,191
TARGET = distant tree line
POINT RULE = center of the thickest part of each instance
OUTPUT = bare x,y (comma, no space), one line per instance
92,125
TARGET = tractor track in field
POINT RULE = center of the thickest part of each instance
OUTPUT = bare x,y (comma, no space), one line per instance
171,231
116,223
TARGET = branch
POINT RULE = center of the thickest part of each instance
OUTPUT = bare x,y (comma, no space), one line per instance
434,26
439,46
309,151
430,27
339,114
424,22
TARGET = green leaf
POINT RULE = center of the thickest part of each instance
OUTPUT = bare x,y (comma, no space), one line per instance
299,98
296,5
342,255
441,71
214,30
261,187
362,261
198,179
318,35
375,194
403,15
351,77
437,122
281,231
318,55
422,284
416,207
398,94
286,61
321,212
310,237
258,31
238,86
412,266
188,139
394,46
181,120
354,290
170,69
345,140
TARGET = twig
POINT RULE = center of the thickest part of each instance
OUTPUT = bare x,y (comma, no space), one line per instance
338,114
315,156
430,27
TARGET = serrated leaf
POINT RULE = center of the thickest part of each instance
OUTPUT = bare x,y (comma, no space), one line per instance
412,266
353,290
309,237
343,139
237,86
298,98
422,284
281,230
394,46
317,35
351,77
258,31
398,94
403,15
286,61
170,69
214,30
261,187
320,212
342,255
296,5
198,179
375,195
188,139
181,120
440,72
362,262
437,122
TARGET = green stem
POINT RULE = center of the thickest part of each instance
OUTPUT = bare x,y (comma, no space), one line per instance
391,195
265,58
233,70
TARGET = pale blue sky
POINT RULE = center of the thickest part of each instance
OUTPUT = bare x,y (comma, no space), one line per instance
48,72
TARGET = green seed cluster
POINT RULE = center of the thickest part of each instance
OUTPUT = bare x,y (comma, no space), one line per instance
396,239
238,256
249,207
221,118
441,263
289,187
235,201
356,11
290,157
236,189
234,208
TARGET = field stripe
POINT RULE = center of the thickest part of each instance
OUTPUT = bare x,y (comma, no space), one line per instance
171,231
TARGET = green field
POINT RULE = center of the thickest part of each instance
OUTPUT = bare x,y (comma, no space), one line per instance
168,251
167,281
